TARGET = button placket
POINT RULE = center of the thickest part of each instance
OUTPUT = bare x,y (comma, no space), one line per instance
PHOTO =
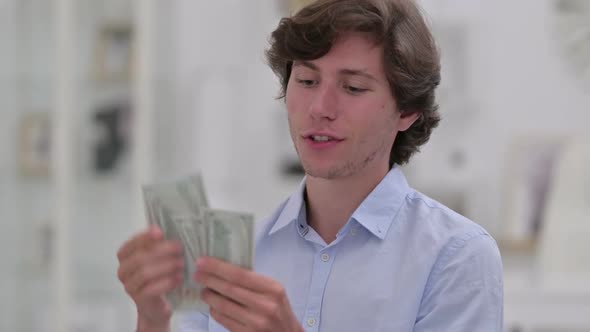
322,266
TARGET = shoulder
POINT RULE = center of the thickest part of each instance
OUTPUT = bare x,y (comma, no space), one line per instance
432,220
452,236
464,270
434,215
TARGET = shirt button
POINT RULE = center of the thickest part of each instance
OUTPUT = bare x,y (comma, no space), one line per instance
311,322
325,257
353,232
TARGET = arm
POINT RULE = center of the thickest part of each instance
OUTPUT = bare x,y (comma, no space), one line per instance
149,267
144,326
464,292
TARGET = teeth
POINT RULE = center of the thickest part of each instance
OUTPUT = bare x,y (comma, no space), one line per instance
321,138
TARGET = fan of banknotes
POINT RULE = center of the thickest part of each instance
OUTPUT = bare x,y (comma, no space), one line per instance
181,210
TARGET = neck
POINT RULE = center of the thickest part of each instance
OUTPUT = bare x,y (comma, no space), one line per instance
331,202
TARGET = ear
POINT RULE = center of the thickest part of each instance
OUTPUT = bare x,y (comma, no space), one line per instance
406,120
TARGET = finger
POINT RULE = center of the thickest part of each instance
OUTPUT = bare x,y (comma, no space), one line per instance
129,266
140,240
227,322
152,272
161,287
161,250
236,275
237,294
229,308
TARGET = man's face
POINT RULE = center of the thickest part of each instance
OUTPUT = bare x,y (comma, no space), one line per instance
342,116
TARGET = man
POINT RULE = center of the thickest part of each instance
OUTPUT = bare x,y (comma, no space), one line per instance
355,248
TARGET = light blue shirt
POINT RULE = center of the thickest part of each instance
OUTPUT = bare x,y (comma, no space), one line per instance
403,262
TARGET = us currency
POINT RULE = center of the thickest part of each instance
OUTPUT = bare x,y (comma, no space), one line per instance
231,236
181,210
151,205
193,190
189,297
175,296
177,208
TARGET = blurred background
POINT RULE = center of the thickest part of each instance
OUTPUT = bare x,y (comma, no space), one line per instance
99,97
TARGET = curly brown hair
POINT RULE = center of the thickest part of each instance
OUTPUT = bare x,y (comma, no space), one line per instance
411,58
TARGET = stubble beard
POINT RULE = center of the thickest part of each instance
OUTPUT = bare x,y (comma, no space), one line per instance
342,169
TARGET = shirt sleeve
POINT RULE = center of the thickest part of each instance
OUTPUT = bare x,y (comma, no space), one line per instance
464,292
192,322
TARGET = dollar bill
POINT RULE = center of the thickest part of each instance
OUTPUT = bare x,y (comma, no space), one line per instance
151,206
177,208
181,210
193,190
175,296
231,236
189,297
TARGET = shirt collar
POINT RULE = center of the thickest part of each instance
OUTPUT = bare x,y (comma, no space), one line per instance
292,210
376,213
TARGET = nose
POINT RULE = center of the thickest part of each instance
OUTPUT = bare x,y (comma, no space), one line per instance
324,103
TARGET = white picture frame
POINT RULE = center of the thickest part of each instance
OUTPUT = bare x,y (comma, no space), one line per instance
115,53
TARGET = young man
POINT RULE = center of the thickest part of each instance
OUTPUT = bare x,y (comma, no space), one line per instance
355,248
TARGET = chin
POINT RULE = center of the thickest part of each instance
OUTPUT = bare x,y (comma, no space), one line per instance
327,172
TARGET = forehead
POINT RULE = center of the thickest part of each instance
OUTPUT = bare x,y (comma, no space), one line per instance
353,51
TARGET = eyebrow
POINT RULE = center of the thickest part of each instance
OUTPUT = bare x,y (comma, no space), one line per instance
347,72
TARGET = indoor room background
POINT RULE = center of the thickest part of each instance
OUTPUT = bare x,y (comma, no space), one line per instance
100,97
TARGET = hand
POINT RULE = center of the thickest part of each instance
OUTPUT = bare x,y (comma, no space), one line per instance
242,300
149,267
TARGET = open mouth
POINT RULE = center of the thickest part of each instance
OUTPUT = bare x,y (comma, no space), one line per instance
321,141
321,138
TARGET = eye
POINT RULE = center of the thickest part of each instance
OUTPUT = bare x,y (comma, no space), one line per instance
306,83
354,90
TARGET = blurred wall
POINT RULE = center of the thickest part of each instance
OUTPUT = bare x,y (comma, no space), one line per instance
8,240
227,93
520,84
20,201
